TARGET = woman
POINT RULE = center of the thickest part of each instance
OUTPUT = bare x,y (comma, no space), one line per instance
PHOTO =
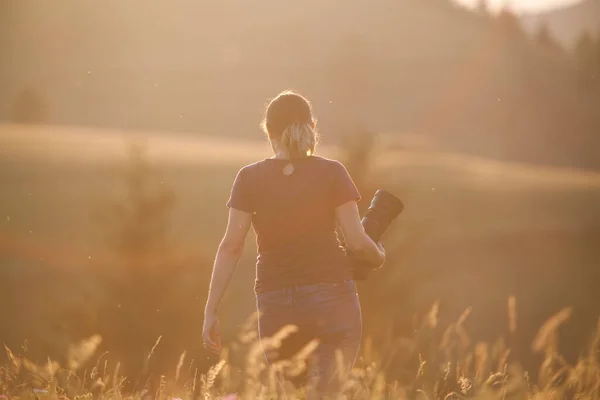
295,201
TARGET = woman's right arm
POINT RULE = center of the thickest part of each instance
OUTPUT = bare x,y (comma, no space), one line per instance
357,240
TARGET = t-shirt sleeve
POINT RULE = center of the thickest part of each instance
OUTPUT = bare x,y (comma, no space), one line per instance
241,196
343,187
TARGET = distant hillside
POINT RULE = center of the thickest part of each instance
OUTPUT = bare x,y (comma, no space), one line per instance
567,23
426,67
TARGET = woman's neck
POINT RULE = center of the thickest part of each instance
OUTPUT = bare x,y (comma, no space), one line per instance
281,154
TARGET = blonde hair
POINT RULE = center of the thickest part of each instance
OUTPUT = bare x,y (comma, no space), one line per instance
289,121
299,140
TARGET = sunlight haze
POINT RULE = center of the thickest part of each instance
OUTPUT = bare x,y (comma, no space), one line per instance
177,175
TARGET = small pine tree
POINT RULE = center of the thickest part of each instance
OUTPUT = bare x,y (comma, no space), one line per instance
597,53
28,108
483,8
585,58
509,26
545,38
145,297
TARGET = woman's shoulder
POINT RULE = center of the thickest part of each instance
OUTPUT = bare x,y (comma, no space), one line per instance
267,163
331,162
254,167
247,170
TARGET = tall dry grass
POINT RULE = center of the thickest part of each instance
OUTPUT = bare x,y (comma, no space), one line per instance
452,368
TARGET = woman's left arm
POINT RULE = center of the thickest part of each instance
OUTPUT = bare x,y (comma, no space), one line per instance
230,251
228,256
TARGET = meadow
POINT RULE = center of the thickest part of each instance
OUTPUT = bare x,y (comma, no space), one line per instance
477,237
484,372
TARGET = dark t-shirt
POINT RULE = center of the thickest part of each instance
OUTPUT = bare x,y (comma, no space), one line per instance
294,219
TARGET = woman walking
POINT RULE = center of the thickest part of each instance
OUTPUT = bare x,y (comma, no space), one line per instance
295,201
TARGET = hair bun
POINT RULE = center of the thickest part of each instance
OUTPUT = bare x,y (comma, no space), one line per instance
299,140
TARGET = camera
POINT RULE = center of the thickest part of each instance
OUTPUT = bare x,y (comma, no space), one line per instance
384,208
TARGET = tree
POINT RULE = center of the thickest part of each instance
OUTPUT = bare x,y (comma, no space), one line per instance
597,53
483,8
28,108
509,25
545,39
586,60
147,283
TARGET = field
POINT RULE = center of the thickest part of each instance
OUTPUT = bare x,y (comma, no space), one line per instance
475,232
485,373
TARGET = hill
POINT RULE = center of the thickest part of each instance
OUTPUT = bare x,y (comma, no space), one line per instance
475,83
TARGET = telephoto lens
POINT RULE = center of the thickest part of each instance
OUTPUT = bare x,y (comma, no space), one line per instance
384,208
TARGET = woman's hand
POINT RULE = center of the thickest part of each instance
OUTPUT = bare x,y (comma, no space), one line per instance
372,264
228,255
356,239
211,335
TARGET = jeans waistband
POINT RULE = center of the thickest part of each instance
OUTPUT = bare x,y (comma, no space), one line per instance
306,287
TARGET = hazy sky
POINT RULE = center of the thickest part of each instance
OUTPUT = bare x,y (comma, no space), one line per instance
523,5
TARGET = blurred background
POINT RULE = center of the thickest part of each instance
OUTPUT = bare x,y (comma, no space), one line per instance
123,124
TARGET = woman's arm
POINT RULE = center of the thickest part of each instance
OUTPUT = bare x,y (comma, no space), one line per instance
357,240
228,255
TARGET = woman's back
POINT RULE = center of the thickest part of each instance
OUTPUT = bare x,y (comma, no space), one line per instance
293,215
294,202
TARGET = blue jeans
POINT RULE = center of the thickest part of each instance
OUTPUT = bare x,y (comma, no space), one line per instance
328,312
